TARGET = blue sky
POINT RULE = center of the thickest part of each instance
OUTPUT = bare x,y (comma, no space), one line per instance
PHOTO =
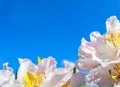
31,28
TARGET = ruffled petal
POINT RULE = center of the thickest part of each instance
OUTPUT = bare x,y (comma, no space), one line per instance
77,80
47,65
101,75
26,65
86,64
113,24
6,75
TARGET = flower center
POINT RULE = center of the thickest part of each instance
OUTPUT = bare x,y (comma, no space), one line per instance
32,79
116,77
113,39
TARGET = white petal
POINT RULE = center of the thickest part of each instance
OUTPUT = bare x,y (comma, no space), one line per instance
47,65
97,47
86,64
6,75
77,80
113,24
56,77
25,65
68,65
101,74
94,36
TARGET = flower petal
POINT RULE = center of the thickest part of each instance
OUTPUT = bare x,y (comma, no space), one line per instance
6,75
86,64
77,80
101,75
26,65
113,24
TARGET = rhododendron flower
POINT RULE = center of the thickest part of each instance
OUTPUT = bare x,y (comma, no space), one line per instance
102,74
45,74
105,47
7,77
116,76
101,54
100,57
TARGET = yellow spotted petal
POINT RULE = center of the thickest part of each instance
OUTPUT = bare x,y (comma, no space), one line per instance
115,77
113,38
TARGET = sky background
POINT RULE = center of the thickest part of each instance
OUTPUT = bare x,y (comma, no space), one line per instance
32,28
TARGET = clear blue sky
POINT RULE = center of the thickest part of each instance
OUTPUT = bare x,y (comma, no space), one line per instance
31,28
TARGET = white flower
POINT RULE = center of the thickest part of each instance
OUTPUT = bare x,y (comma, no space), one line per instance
7,77
45,74
101,54
27,75
101,48
102,74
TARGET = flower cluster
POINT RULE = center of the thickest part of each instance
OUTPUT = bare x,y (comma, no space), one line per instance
99,57
44,74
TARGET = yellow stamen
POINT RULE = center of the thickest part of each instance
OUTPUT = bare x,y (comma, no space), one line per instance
32,80
115,77
113,38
